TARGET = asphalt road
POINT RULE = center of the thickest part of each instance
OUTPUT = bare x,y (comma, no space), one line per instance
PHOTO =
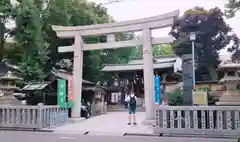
13,136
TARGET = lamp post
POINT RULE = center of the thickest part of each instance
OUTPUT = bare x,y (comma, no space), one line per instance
1,35
192,36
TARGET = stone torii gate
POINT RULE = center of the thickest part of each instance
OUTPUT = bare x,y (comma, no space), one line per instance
109,29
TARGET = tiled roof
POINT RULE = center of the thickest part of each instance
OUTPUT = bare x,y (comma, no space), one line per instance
66,75
137,64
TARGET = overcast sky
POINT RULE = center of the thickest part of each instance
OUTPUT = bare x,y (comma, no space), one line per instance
135,9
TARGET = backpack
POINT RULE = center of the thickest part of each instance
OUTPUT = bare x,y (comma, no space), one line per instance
132,102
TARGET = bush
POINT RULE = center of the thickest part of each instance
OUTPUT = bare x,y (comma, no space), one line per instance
212,100
175,98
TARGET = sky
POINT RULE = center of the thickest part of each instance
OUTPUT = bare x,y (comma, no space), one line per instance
135,9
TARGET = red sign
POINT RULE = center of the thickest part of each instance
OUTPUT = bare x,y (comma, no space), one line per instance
70,91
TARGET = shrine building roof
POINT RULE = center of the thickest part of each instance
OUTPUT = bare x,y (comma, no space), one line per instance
33,86
66,75
160,62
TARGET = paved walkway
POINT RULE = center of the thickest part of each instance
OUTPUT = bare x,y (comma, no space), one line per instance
112,123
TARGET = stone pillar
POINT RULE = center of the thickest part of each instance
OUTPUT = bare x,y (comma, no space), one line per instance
111,38
187,79
148,76
77,76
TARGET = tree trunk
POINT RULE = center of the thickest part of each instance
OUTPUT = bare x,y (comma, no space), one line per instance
213,73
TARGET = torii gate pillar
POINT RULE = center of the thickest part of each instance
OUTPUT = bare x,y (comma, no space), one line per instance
148,75
77,76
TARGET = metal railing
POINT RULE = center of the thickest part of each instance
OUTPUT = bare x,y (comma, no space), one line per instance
32,117
219,121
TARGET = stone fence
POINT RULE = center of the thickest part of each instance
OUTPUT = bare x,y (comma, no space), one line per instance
209,121
32,117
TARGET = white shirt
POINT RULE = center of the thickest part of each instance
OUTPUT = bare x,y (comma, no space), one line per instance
129,97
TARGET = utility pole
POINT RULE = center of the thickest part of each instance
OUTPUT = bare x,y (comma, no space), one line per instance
192,37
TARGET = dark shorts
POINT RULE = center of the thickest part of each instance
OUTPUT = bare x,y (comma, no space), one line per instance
132,110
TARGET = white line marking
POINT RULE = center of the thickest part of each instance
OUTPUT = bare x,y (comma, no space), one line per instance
69,138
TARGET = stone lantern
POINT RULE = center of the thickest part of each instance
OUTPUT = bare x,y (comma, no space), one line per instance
7,87
231,80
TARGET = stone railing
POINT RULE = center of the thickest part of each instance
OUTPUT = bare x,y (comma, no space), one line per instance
32,117
212,121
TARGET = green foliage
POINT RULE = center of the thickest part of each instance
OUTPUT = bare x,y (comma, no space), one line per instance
235,49
157,50
175,98
36,44
212,100
162,50
5,9
83,13
232,7
29,40
75,13
213,34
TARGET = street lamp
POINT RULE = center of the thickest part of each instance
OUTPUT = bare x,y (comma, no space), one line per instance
1,34
192,36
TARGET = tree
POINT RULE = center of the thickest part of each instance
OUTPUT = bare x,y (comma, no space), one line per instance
5,9
79,12
65,13
232,7
235,49
29,40
157,50
162,50
213,34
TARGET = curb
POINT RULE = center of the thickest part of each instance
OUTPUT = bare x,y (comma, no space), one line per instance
99,133
27,130
179,136
45,130
141,134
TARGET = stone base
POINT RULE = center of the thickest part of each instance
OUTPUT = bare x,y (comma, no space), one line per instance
229,98
75,120
228,103
9,99
148,122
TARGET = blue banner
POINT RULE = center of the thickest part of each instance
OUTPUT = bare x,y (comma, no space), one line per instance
157,90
